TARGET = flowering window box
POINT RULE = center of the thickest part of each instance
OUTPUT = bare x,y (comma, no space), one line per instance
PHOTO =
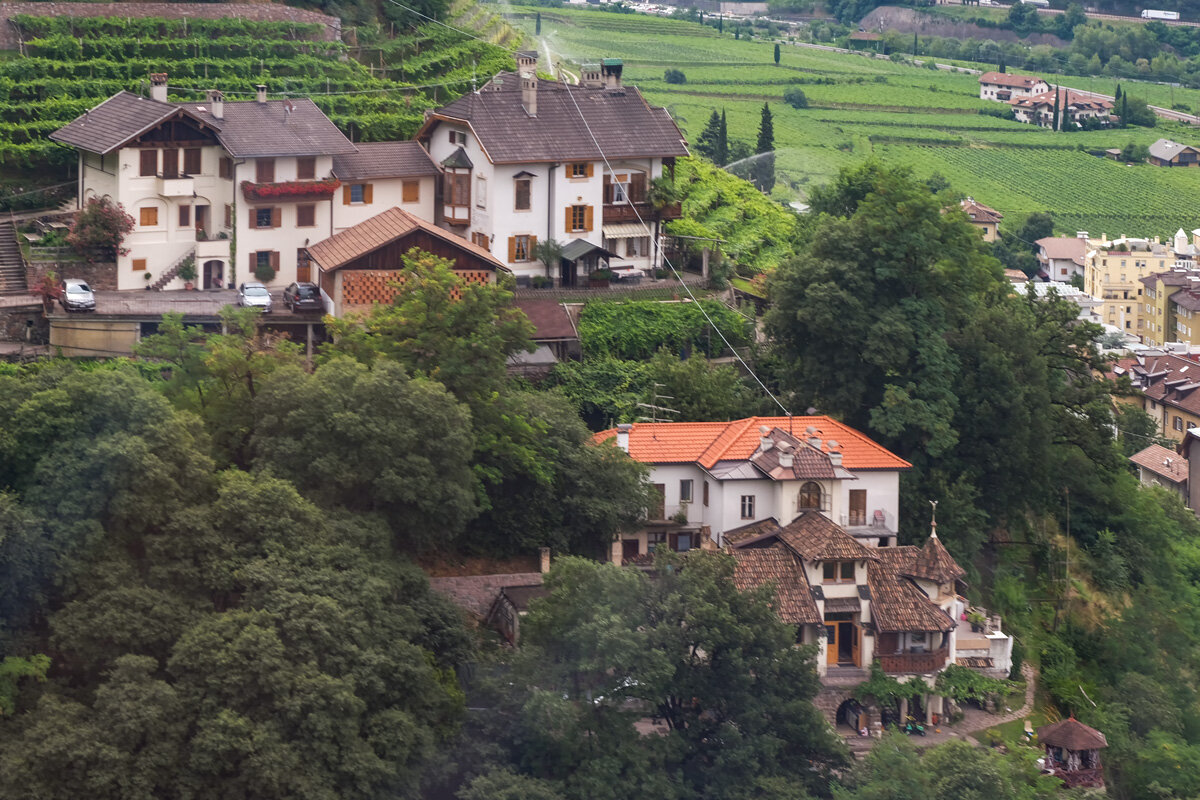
290,190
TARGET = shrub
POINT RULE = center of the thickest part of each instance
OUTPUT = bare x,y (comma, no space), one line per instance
795,98
674,76
100,228
265,273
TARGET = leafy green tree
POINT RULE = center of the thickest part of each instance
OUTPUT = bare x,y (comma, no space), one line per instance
371,441
503,784
26,567
715,664
100,227
795,98
709,143
182,348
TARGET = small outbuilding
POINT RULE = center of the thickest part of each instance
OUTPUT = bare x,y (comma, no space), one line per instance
1166,153
1073,752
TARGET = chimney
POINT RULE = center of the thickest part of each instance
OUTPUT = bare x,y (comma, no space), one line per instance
529,92
764,440
262,93
590,77
611,68
786,457
623,436
216,103
545,553
835,455
158,86
815,441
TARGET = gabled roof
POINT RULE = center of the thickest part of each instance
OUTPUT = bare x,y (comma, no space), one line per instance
1167,149
706,443
1071,734
897,604
1011,80
1162,461
342,248
1171,380
625,125
384,160
756,566
249,129
1063,247
808,463
978,212
550,320
814,537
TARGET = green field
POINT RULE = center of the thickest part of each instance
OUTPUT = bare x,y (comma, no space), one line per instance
863,107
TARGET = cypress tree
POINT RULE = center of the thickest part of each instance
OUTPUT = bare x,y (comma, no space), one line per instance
1054,120
1003,66
916,44
709,143
538,25
777,54
764,165
723,139
1118,96
737,31
766,131
720,24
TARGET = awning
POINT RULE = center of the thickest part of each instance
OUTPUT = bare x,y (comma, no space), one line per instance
842,604
627,230
582,247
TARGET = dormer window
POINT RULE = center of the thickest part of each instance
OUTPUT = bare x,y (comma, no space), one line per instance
837,572
458,138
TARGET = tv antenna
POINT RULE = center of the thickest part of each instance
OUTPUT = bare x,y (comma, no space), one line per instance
655,409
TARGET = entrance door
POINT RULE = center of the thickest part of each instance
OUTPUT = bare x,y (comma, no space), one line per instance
202,220
303,268
214,275
858,506
831,644
659,508
630,549
566,272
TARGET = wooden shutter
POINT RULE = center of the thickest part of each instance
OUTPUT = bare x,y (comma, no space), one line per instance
532,244
367,193
591,169
228,215
253,261
139,264
275,260
223,167
276,217
264,170
512,248
608,190
411,191
637,187
346,194
253,220
569,215
149,163
587,218
185,216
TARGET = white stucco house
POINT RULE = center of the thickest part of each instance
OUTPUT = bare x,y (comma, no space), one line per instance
1006,86
525,160
235,186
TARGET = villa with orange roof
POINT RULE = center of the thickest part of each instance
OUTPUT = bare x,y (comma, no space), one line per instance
718,478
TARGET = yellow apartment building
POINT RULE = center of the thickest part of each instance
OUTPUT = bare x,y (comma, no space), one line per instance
1113,272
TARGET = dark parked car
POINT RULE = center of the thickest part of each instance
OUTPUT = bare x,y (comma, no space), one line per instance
303,297
78,296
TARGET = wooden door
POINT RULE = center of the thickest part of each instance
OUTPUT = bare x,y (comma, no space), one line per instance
170,164
858,506
659,508
856,634
202,216
303,266
831,646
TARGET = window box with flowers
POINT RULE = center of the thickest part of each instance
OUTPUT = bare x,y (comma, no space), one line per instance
291,190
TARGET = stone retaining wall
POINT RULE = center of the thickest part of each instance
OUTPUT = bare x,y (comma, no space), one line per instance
100,276
257,12
24,323
476,593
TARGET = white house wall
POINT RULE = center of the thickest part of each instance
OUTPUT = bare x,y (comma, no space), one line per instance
883,494
98,176
385,193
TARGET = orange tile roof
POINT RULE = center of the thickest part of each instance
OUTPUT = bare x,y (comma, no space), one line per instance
384,228
1162,461
706,443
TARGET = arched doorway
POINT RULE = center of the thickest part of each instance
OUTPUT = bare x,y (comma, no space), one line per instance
214,274
853,715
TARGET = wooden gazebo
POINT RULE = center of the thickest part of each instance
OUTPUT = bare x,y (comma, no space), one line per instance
1073,752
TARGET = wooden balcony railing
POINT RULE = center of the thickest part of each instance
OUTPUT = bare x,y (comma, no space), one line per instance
628,212
914,662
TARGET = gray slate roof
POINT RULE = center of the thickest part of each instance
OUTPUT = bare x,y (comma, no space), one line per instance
384,160
625,125
249,129
1167,149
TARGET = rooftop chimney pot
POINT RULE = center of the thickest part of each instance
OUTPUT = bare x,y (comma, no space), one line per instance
158,86
545,559
262,93
216,103
623,436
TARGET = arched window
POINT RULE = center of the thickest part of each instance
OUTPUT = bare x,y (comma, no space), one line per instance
810,495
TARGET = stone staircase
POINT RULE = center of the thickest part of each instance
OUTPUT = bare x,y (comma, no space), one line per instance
172,271
12,264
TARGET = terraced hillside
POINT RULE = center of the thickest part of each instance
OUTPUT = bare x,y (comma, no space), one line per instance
860,107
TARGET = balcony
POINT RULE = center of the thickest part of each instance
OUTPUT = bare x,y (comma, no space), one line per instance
178,186
914,662
213,249
628,212
456,214
296,191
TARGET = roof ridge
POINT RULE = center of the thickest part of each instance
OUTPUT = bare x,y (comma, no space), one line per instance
704,461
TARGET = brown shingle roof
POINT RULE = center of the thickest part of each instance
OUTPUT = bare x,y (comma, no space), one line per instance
814,537
934,563
1184,376
1162,461
340,249
808,463
1071,734
978,212
249,129
550,320
897,604
384,160
1064,247
775,564
625,125
1009,79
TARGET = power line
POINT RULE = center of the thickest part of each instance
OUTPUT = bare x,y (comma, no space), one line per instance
450,27
667,261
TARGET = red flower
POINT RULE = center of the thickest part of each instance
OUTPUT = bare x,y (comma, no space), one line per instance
259,191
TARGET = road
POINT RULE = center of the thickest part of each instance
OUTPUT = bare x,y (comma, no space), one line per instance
1088,14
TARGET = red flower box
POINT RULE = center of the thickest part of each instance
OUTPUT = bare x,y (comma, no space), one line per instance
290,190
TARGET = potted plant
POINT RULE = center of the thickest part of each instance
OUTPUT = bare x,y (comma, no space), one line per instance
187,271
977,621
540,282
146,276
599,278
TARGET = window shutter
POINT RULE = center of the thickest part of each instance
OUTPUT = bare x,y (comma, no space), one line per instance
253,219
587,218
275,260
253,261
637,187
608,190
567,224
276,217
591,169
367,194
532,245
512,248
346,194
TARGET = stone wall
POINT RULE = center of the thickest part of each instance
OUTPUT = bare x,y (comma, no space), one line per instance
24,323
476,593
257,12
101,276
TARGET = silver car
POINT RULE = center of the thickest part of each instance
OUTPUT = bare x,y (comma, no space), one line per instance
78,296
254,294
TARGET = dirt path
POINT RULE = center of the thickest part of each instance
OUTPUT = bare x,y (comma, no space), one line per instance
975,719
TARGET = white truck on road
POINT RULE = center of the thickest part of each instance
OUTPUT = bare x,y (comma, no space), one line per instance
1150,13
